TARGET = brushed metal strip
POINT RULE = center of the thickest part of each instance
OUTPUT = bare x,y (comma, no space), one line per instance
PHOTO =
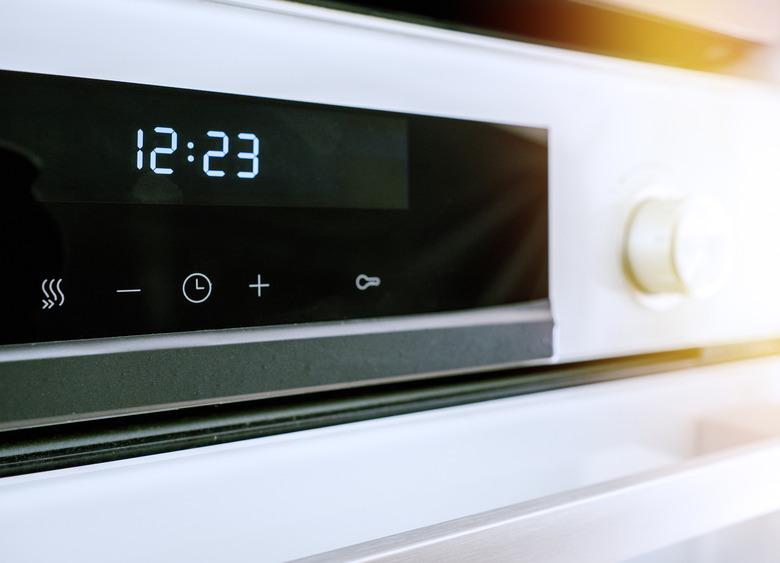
613,521
531,312
83,386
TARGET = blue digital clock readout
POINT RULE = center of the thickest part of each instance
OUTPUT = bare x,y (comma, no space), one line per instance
167,140
157,145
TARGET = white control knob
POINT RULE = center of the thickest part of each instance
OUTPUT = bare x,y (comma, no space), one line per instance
680,246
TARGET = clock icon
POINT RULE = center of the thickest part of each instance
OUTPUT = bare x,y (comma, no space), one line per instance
196,288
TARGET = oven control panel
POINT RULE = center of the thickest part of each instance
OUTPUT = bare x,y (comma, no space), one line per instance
142,209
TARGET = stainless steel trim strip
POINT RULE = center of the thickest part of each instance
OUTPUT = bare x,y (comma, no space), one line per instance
65,382
528,312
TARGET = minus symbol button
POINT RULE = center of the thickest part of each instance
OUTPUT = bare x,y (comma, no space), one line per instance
134,290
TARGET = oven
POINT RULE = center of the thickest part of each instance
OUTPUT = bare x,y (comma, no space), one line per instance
288,281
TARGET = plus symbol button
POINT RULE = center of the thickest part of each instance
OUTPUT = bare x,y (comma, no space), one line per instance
259,285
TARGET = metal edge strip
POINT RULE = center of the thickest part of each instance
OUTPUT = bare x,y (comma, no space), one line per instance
534,311
110,379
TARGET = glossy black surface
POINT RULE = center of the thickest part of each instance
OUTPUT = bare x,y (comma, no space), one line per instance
451,214
86,133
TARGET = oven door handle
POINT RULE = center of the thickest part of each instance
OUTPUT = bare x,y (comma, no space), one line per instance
611,521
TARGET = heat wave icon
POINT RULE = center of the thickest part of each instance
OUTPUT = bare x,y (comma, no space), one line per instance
53,296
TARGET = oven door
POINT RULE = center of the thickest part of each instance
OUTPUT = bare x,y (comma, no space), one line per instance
677,466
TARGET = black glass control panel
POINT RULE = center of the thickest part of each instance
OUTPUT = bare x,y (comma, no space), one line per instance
131,209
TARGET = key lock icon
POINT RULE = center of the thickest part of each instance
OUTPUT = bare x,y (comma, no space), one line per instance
363,282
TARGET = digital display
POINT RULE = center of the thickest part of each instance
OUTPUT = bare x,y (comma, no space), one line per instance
145,144
132,209
209,157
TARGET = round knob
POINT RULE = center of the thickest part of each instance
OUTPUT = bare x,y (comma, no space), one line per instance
681,246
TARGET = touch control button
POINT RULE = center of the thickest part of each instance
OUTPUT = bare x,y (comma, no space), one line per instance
260,285
53,296
363,282
196,288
